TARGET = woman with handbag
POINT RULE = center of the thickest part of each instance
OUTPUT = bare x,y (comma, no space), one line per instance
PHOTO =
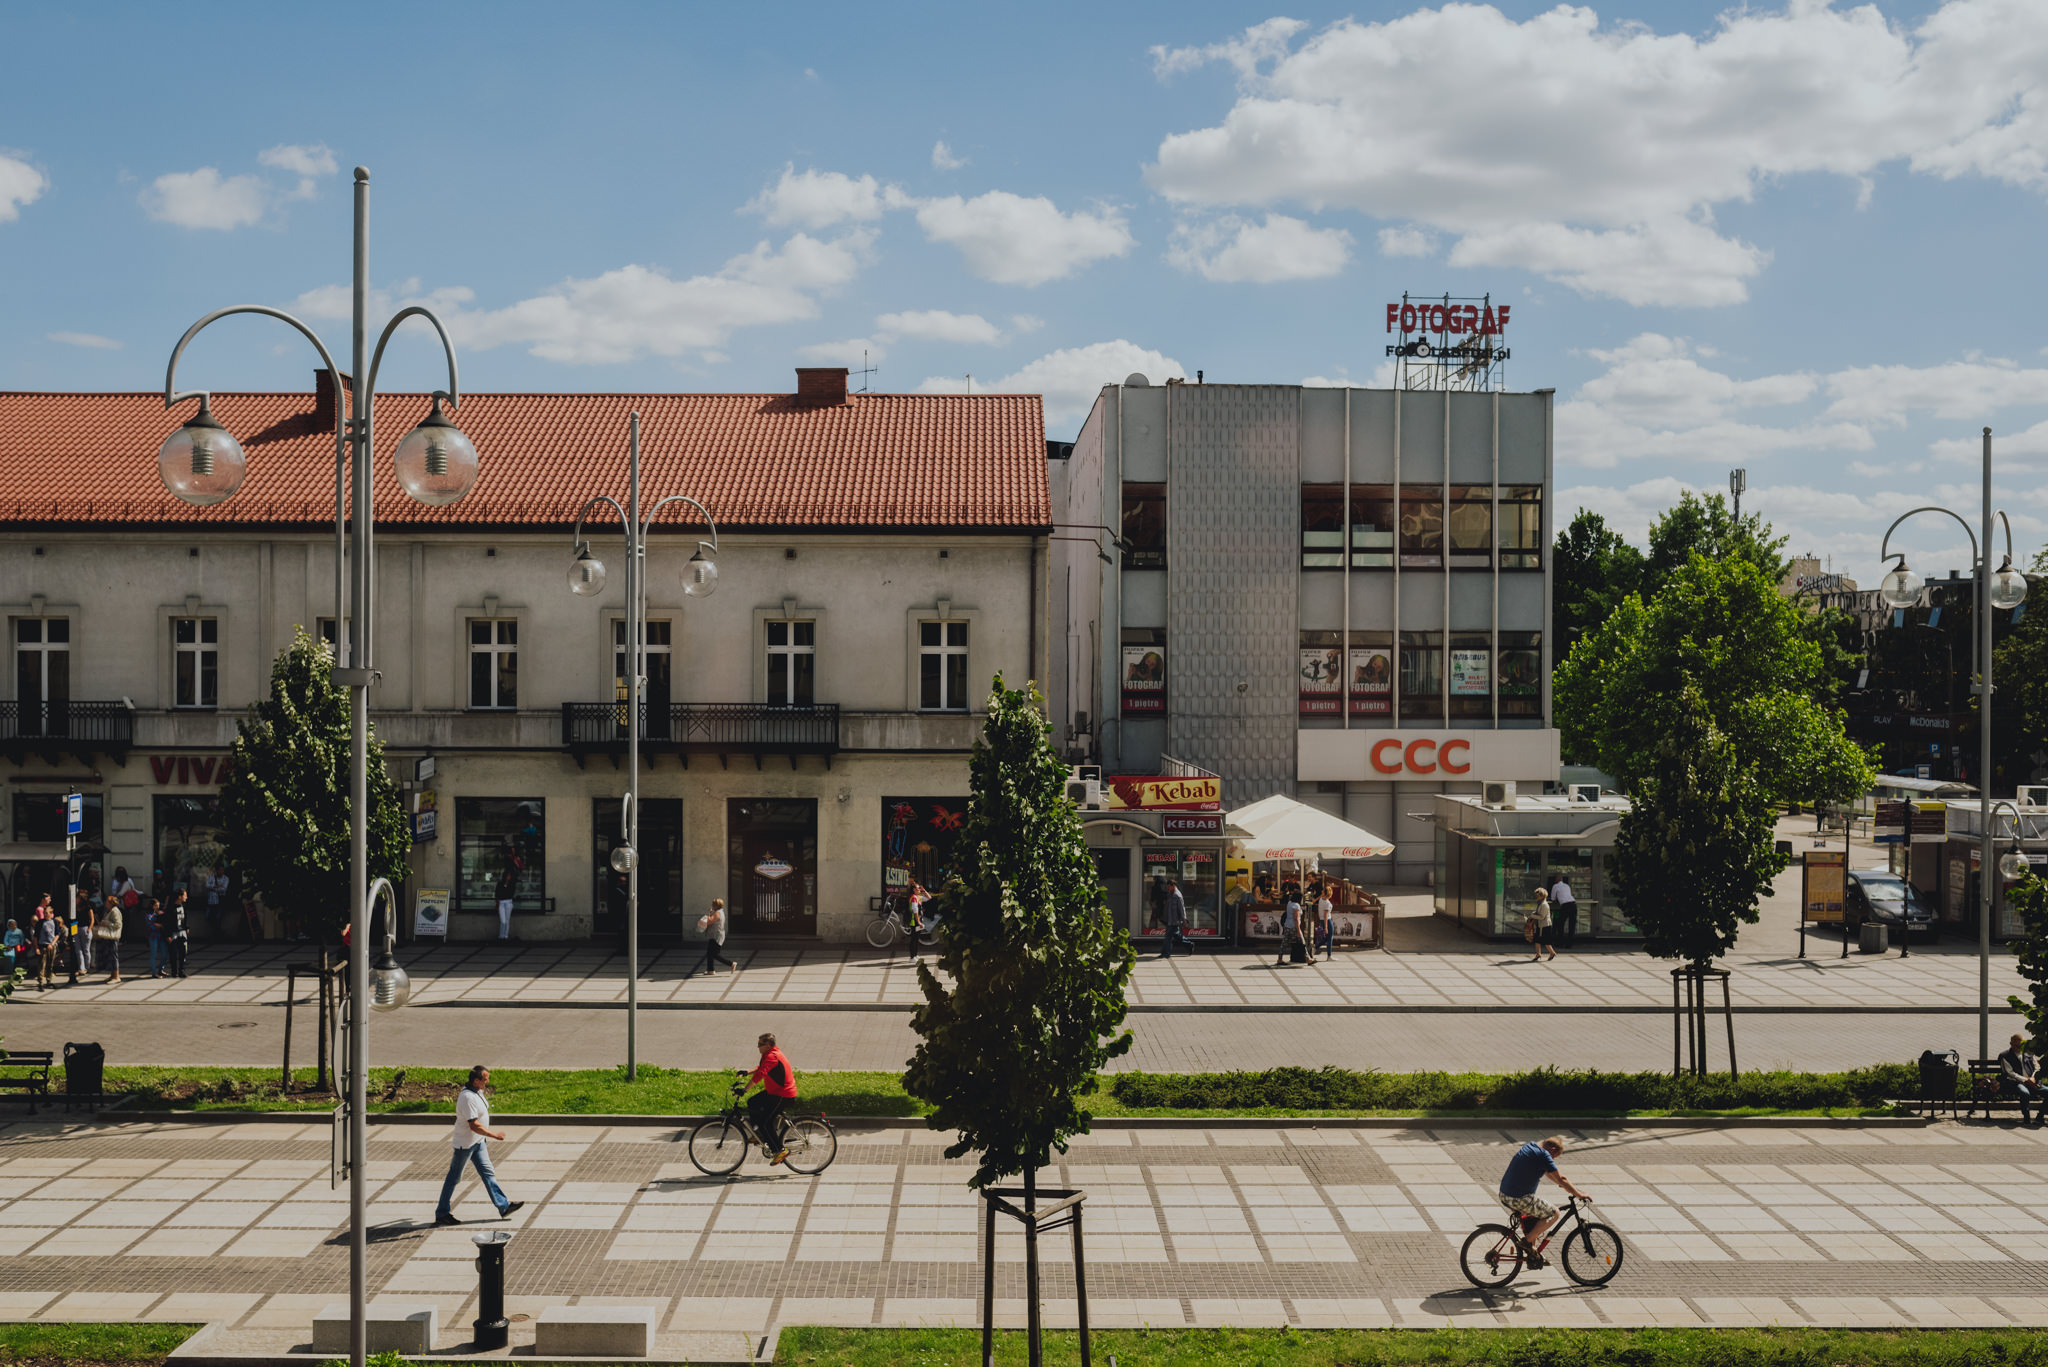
107,932
1544,936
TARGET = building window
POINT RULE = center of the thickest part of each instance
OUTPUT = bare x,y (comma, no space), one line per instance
792,660
1372,526
1471,526
42,674
942,666
656,693
1422,675
1422,527
195,661
493,663
500,852
325,629
191,853
1471,675
1322,526
1144,526
1144,671
1372,673
1521,674
1521,527
1321,688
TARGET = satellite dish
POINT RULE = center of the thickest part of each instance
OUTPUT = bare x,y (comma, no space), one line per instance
1136,380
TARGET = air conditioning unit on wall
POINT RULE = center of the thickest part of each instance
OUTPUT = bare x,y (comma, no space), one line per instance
1084,787
1497,794
2033,795
1585,792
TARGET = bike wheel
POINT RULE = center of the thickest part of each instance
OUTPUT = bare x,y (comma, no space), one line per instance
929,936
718,1147
1592,1255
1490,1256
882,932
812,1145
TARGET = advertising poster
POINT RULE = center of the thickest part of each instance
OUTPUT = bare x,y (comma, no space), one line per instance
1521,674
919,838
1824,876
430,913
1372,682
1144,680
425,815
1468,674
1322,681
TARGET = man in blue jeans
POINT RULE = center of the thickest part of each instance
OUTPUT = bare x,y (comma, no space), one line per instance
472,1128
2019,1076
1526,1170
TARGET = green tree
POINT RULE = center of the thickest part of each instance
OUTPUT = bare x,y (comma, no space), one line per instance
2028,899
1594,568
285,808
1707,526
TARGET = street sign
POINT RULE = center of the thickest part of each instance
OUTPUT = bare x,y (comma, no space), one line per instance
423,769
74,814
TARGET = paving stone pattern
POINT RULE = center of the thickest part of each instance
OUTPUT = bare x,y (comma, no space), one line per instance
1340,1225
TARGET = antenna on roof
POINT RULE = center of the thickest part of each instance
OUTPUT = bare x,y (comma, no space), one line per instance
865,371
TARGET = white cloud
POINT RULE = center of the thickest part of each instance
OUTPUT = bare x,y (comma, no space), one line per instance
1017,241
943,158
1405,242
20,184
307,161
1957,390
1021,323
818,199
937,325
851,353
336,301
1597,155
1070,378
206,199
1280,248
91,340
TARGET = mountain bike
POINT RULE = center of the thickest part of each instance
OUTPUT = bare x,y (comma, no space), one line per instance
897,919
719,1145
1495,1255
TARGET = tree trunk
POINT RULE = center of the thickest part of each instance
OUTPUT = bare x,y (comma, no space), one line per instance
1033,1330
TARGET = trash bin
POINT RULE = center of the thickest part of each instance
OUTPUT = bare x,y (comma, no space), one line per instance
85,1066
492,1329
1874,938
1938,1073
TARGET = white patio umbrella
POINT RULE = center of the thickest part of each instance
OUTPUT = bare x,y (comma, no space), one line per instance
1278,827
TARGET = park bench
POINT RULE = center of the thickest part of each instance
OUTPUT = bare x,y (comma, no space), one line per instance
27,1071
1985,1090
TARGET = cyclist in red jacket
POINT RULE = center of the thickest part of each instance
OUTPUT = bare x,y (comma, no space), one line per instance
777,1080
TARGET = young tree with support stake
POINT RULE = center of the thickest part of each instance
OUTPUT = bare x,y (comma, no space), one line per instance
1034,968
285,806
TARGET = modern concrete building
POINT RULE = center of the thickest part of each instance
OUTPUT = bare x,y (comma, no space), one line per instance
1337,594
882,557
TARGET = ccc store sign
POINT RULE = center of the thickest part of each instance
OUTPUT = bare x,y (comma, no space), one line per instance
1421,756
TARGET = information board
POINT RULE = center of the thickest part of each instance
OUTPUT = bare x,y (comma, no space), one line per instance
1822,884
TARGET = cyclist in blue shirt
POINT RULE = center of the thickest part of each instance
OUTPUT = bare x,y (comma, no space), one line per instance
1526,1171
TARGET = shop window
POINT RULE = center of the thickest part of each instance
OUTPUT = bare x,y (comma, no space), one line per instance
1144,526
1422,527
42,674
39,817
1322,674
195,661
1518,872
501,851
1372,673
792,658
1144,672
772,865
1521,527
1521,674
493,663
942,666
1198,871
1470,526
191,851
1322,526
1471,675
1372,526
920,841
1422,675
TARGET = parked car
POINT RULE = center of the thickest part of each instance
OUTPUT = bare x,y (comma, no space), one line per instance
1884,897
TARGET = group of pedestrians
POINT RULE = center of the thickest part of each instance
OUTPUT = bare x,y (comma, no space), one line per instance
88,939
1307,925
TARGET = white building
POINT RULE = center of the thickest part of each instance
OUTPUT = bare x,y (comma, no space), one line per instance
882,558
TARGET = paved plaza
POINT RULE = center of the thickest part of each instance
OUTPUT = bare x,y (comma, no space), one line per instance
1341,1225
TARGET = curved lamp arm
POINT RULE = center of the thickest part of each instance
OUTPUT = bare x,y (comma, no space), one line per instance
625,816
584,512
453,394
647,525
1886,553
382,887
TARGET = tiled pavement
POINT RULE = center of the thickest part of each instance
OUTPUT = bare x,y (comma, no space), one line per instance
1342,1225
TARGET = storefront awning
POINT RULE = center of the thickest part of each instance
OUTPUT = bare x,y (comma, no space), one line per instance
1280,828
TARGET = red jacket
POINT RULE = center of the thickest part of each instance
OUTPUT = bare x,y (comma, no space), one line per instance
775,1075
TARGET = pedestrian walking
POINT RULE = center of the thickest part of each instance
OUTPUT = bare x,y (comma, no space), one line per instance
712,923
1290,928
177,935
472,1128
1564,909
83,921
14,945
107,933
507,894
1325,924
159,941
1175,912
1546,931
44,933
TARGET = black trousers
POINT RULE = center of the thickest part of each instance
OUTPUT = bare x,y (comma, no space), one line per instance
765,1112
177,957
1176,935
1568,924
714,954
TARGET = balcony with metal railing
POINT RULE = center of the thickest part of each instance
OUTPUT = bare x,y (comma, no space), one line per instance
686,729
66,727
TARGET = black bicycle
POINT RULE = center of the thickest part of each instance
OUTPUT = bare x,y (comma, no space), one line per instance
719,1145
1495,1255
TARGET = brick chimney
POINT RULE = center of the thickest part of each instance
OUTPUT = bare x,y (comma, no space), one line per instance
820,386
323,395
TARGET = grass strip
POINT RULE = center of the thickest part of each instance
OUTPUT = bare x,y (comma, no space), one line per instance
79,1345
819,1347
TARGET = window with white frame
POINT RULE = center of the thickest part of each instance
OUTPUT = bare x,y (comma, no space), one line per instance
792,659
656,691
493,662
942,666
325,630
42,661
195,661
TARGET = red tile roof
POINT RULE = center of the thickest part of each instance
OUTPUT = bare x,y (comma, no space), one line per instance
763,461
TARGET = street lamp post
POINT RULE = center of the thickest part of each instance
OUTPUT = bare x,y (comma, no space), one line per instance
203,464
2004,588
586,579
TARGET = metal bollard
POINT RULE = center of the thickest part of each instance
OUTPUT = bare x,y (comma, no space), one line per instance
493,1330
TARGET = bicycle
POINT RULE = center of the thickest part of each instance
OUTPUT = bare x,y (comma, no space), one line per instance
719,1145
1495,1255
896,920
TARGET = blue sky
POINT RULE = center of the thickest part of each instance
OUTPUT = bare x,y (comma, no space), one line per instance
1806,241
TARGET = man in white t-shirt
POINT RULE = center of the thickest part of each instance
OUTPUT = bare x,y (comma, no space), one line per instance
472,1128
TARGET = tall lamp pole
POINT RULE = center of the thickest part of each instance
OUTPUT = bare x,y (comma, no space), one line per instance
2001,589
586,579
202,464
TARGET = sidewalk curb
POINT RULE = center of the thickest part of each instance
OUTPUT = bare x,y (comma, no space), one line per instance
1253,1009
860,1124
